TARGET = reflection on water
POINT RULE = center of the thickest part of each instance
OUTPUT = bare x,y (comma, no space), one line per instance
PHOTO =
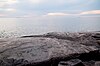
27,26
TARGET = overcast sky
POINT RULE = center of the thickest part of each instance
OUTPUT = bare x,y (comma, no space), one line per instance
31,8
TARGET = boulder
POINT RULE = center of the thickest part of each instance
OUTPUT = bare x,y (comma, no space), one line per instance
47,49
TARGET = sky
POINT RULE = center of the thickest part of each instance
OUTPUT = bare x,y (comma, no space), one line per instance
31,8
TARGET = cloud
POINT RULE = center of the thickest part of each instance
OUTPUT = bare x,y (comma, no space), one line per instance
7,12
12,1
28,15
62,4
67,2
1,15
90,12
7,2
37,1
10,10
48,7
57,14
2,4
60,1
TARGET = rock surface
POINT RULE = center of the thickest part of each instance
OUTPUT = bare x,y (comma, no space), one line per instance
50,49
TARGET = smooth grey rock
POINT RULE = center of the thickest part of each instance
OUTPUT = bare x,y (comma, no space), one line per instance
45,48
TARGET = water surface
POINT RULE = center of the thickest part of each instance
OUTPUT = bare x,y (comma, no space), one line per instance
30,26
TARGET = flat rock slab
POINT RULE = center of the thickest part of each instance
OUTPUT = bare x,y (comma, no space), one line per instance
36,49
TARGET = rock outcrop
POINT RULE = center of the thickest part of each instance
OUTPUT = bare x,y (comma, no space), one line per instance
51,49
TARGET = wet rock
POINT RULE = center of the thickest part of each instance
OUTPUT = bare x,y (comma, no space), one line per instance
48,49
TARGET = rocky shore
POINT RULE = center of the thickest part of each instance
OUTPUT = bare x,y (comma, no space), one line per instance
51,49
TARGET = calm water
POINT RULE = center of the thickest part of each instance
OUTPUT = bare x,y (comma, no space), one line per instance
29,26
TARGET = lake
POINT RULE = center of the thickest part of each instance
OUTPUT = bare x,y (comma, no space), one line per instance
41,25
